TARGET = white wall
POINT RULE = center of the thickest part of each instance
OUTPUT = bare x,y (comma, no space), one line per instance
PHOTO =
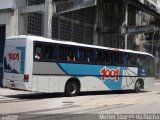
8,20
154,2
158,3
5,4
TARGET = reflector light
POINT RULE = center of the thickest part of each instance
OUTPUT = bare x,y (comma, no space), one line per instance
26,78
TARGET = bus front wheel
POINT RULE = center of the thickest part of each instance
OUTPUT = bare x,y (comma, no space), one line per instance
71,89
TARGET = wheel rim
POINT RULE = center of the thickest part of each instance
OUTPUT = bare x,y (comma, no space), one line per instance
138,85
138,88
72,89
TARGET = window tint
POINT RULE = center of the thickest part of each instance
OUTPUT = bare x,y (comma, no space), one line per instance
66,53
88,55
84,55
38,56
62,53
44,52
71,54
98,56
49,52
106,57
141,60
130,59
80,54
147,63
117,58
120,58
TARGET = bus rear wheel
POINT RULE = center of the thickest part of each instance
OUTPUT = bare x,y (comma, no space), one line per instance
71,89
137,87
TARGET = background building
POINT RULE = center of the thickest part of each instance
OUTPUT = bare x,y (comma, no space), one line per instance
110,23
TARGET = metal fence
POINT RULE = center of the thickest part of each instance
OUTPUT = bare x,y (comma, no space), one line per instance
34,2
34,23
77,26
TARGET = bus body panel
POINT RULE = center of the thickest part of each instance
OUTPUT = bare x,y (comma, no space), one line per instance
48,84
52,84
93,82
131,74
29,61
16,85
47,68
14,59
52,76
16,63
34,83
89,83
148,83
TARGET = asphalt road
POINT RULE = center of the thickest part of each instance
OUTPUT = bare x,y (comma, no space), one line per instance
23,105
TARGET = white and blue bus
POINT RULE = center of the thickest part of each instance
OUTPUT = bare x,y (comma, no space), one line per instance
39,64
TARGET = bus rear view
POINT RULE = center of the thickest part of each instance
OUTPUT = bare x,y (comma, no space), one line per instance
14,64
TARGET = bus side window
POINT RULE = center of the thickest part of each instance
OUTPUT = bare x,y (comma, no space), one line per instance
147,63
105,57
38,52
134,59
86,56
49,52
142,60
130,59
113,58
91,55
79,55
62,53
139,60
98,56
66,53
121,58
71,54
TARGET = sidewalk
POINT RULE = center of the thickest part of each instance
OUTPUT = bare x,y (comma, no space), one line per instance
157,80
7,91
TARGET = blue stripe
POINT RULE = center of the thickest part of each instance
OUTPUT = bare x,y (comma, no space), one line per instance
86,69
22,61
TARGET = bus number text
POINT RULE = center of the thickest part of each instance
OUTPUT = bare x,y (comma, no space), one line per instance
109,74
13,56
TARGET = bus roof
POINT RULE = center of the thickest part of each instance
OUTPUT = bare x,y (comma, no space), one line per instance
42,39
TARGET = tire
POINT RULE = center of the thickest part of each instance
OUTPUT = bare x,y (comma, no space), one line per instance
71,89
137,87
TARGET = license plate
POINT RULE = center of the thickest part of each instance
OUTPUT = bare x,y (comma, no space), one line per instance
12,85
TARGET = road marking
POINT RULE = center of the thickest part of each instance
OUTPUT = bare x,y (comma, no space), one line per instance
157,83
